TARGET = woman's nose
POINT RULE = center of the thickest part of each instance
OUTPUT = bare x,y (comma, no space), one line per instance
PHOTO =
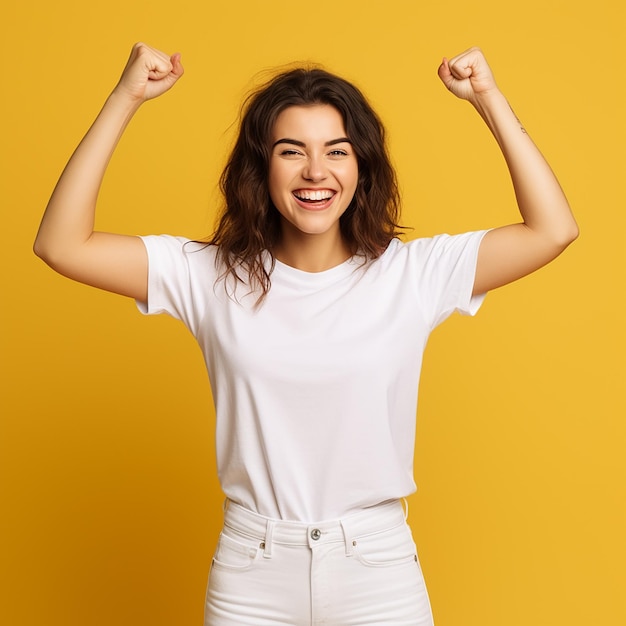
315,169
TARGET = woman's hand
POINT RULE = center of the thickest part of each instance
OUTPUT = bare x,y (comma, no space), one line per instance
149,73
468,75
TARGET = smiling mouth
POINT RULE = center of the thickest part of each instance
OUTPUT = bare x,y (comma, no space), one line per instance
314,196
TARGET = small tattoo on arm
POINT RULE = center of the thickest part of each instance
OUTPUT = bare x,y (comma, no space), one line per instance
518,121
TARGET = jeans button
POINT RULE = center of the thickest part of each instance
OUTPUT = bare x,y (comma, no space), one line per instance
316,533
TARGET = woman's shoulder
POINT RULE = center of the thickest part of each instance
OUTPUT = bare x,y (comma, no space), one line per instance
424,251
175,244
428,244
176,255
399,248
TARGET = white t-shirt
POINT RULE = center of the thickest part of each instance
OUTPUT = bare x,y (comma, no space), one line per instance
316,390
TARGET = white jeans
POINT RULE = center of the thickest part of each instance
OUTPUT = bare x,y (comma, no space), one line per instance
362,569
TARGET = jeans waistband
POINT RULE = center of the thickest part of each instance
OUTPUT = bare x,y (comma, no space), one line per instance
270,531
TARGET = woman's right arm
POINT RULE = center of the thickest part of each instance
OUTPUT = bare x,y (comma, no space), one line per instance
66,240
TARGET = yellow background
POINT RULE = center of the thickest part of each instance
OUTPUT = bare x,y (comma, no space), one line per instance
110,504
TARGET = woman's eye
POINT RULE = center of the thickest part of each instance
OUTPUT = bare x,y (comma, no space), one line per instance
338,153
289,153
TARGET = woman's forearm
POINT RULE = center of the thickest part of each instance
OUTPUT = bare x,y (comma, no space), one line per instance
541,201
548,226
66,240
69,217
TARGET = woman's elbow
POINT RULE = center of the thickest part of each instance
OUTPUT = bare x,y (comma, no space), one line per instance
561,233
50,255
42,249
569,234
39,249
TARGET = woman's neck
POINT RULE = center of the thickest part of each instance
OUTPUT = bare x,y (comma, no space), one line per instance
312,253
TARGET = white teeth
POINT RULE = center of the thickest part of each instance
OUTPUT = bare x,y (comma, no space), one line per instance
307,194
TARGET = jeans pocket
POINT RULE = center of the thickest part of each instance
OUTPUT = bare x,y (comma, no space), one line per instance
386,548
234,554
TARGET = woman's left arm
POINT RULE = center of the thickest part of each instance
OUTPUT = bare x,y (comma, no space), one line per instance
548,227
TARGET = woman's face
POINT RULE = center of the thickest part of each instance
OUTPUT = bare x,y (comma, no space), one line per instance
313,169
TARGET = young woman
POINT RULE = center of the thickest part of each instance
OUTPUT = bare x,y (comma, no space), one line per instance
312,317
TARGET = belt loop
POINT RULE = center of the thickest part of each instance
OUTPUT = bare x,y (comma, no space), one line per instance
406,509
267,544
347,539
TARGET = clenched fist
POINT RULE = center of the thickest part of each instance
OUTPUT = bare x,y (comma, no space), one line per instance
148,73
467,75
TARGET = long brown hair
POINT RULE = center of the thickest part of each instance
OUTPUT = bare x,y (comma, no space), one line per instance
249,226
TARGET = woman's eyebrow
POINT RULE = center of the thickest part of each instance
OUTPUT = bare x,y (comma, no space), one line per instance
301,144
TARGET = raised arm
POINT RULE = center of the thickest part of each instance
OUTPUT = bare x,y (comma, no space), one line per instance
548,226
66,239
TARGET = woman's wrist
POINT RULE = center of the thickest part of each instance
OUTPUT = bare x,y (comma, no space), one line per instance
121,102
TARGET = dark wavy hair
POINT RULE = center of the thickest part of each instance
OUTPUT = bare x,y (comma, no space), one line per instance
250,227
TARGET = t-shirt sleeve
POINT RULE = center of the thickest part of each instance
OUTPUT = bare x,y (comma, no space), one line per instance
169,279
446,276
